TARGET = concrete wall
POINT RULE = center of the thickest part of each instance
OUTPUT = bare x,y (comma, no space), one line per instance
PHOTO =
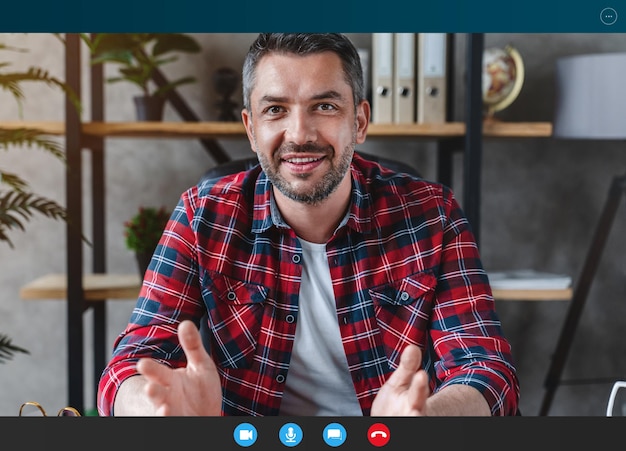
540,202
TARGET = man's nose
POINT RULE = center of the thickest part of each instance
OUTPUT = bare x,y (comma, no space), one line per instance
301,127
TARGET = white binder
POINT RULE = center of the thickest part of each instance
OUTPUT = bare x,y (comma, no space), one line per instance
432,74
404,102
382,78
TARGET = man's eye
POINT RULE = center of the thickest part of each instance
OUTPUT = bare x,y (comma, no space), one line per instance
274,110
326,107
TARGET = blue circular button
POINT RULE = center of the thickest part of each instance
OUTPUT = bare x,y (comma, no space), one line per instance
245,435
335,434
290,434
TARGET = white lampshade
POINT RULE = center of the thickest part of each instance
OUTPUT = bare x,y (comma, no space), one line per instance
591,97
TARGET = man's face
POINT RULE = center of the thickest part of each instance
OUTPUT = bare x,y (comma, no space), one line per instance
303,124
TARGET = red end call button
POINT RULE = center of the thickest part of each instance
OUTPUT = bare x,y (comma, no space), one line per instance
378,434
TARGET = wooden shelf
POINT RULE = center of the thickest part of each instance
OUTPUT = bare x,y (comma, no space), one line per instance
533,295
47,127
97,287
217,130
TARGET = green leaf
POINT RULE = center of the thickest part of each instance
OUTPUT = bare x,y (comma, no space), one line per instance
11,81
13,180
139,54
8,349
174,42
144,230
17,206
31,137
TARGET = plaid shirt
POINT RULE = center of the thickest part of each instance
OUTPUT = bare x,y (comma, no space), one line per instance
405,269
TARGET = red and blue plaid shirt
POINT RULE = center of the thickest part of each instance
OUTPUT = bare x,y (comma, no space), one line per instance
405,268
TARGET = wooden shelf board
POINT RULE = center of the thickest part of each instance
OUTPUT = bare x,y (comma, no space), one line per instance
216,130
533,295
165,129
498,129
96,287
47,127
444,130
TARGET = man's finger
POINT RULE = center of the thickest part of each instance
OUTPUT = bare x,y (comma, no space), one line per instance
154,371
419,391
191,341
410,363
411,358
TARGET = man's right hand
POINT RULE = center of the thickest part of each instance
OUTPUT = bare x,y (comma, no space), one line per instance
194,390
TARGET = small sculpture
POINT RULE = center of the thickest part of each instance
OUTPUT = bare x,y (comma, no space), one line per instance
225,81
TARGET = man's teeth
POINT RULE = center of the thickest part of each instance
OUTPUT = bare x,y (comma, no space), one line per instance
302,160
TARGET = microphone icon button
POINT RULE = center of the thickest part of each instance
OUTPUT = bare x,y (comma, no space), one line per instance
290,434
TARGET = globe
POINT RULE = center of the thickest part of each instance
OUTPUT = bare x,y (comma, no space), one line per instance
503,76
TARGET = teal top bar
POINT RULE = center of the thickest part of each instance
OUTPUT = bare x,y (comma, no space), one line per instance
347,16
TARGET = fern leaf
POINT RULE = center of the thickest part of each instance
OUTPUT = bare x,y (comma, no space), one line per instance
31,137
8,349
17,207
14,181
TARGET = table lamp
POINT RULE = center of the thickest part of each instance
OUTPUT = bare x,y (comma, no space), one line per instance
591,97
590,104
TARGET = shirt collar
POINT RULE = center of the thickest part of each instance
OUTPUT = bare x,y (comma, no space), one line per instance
358,217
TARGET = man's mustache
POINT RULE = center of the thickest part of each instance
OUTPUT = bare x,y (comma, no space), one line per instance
304,148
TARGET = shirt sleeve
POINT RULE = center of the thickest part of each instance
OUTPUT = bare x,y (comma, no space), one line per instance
169,294
466,332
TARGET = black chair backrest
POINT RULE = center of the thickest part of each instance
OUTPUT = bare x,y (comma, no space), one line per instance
243,164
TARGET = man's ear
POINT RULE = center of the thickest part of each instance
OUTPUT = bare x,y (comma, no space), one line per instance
246,118
363,112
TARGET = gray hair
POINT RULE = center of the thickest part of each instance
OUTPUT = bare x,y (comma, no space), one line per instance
304,44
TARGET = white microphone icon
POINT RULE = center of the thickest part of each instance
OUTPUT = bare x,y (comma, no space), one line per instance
290,435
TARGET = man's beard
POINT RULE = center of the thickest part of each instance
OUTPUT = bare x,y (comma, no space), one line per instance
321,190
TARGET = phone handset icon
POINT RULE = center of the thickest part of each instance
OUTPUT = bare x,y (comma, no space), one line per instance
378,434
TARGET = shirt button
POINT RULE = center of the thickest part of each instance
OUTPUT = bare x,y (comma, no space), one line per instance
296,258
358,378
280,378
231,296
345,320
404,296
290,319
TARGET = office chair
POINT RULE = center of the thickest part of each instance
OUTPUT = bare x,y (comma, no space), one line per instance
244,164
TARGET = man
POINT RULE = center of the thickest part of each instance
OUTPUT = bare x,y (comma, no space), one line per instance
331,285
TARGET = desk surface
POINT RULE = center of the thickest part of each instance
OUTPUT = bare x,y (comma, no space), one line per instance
126,286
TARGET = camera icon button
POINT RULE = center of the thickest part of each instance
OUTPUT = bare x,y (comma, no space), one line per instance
245,434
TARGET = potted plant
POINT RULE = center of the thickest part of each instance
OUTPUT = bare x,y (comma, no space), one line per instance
17,203
139,55
143,232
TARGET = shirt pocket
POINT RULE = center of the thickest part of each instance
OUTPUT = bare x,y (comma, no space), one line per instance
235,314
403,308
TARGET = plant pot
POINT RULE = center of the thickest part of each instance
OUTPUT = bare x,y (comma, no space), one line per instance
149,108
143,260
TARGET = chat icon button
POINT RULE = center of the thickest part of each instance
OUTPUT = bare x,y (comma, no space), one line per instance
335,434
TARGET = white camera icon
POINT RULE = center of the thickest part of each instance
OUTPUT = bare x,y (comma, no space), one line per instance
246,434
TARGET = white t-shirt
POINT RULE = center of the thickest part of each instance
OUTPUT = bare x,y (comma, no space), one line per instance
318,382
